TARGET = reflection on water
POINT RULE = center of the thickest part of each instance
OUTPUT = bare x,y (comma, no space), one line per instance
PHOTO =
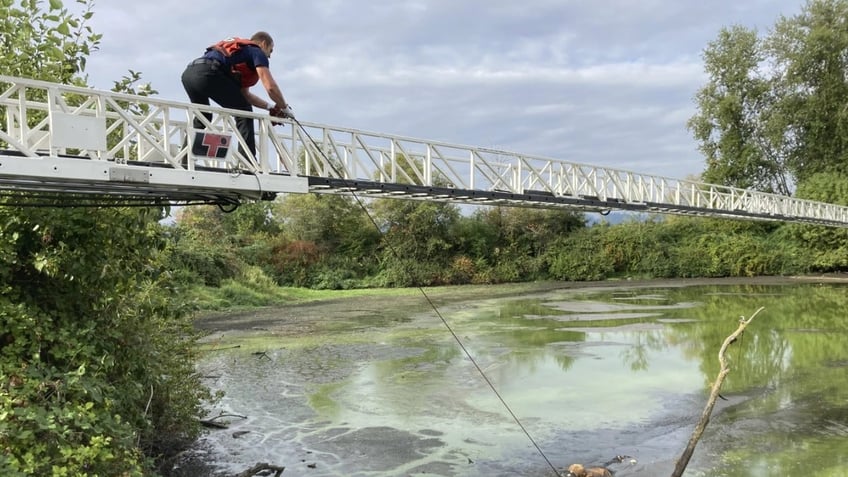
590,374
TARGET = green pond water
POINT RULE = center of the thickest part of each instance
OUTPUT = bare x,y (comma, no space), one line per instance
590,374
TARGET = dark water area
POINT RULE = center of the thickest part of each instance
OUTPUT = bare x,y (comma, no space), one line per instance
590,373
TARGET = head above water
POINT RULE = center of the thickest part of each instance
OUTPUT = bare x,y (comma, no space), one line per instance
264,40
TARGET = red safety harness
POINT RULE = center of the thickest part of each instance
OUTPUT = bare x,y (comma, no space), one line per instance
246,75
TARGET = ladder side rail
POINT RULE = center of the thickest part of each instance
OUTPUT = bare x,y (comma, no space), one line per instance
51,99
601,177
281,161
320,154
685,193
639,188
380,167
245,159
450,166
590,183
337,151
268,141
143,135
495,173
370,164
18,97
562,189
349,161
642,189
360,162
617,185
262,142
724,200
737,199
579,180
712,196
331,154
762,204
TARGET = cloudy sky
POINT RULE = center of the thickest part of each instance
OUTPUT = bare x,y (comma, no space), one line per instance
602,82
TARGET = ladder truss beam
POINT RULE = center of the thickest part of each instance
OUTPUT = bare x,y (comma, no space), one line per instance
78,140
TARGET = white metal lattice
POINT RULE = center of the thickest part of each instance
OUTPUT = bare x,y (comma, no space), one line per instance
49,128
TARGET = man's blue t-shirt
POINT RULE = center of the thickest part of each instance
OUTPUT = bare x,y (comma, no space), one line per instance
251,55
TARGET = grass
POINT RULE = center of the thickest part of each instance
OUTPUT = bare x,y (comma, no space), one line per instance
254,289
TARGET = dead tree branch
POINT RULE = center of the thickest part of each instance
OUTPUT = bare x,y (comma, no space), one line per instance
261,467
683,461
211,421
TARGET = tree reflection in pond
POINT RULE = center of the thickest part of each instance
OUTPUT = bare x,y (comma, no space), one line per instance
592,373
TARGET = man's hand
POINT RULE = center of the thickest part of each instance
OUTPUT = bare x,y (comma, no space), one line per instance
284,113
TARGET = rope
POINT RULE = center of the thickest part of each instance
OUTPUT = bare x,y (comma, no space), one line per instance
435,308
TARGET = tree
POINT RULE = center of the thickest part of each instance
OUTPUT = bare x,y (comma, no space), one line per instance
518,238
327,241
96,348
808,52
734,126
335,223
49,44
417,244
772,113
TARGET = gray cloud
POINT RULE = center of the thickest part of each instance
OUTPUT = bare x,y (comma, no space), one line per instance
608,82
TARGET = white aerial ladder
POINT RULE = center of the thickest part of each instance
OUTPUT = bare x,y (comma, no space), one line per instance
60,139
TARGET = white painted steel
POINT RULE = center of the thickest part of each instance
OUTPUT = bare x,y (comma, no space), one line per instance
142,131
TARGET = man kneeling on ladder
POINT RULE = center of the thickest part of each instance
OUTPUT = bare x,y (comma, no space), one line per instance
225,74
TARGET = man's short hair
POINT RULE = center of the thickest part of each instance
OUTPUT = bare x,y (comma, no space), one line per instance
262,36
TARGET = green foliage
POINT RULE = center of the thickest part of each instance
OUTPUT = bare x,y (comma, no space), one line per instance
734,124
54,42
808,55
96,364
417,242
579,257
196,262
336,224
827,246
772,112
96,347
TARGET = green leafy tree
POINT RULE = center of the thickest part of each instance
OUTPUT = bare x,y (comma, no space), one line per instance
96,363
772,113
808,53
96,349
827,246
519,239
50,44
330,235
735,123
417,243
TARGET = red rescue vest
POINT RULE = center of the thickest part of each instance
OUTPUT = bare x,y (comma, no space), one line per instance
246,75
